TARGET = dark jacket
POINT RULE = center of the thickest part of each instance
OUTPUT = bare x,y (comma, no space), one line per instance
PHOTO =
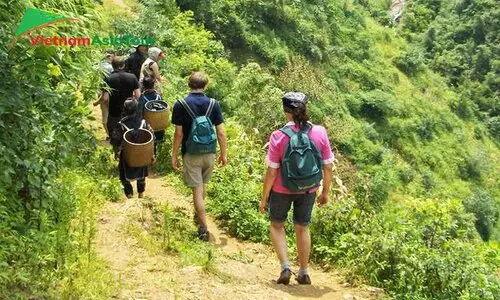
134,63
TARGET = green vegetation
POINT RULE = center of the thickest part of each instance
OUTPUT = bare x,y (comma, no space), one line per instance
411,110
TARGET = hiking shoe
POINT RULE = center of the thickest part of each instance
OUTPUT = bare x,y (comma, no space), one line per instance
204,236
129,196
141,195
284,277
303,279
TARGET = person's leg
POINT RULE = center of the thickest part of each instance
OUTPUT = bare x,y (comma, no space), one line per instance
105,112
302,209
127,187
278,237
192,173
199,205
279,205
303,246
141,187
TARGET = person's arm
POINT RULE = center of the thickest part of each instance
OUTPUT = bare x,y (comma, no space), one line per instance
137,93
269,179
156,72
178,135
327,181
99,100
273,161
328,159
105,98
221,137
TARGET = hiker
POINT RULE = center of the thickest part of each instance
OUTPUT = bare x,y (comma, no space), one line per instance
150,67
293,177
150,94
108,68
132,119
122,85
194,118
135,60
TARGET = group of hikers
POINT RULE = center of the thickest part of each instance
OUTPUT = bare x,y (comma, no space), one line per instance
299,156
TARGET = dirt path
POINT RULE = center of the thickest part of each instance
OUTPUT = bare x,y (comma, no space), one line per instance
241,270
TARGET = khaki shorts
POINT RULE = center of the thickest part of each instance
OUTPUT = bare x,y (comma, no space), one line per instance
197,169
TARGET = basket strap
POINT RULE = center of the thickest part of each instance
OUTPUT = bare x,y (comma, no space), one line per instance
125,126
143,124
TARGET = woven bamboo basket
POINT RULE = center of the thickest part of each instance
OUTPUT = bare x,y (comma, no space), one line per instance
138,148
158,119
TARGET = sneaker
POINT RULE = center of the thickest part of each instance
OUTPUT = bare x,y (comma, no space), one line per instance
129,196
284,277
303,279
141,195
203,235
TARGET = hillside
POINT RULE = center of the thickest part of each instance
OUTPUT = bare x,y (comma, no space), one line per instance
411,108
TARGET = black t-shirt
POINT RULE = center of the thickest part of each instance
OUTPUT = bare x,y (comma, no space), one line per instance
134,63
122,85
198,102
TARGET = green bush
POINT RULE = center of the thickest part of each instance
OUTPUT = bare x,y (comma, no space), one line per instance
485,209
410,62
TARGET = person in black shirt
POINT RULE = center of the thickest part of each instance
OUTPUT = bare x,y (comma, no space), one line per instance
197,168
135,60
122,85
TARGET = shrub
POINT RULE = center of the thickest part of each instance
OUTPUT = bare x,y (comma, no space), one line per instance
485,209
410,62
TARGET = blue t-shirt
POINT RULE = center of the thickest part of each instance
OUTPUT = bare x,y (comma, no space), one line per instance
198,102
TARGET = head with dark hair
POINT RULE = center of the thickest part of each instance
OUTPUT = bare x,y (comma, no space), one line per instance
198,80
294,103
130,107
148,82
130,110
118,63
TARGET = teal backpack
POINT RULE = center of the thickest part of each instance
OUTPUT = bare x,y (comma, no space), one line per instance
301,168
202,138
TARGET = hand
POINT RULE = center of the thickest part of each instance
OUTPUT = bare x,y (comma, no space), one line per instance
222,160
175,163
95,103
263,205
153,160
322,199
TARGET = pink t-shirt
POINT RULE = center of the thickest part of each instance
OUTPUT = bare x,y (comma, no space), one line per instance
278,143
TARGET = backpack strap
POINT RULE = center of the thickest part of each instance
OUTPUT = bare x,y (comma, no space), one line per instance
306,128
158,98
143,124
288,131
210,107
187,108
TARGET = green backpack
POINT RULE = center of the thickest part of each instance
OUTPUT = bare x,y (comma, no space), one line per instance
301,168
202,138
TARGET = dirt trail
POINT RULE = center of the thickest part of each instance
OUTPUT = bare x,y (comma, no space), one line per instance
244,270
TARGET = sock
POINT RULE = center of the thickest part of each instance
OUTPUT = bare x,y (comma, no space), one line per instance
302,272
285,265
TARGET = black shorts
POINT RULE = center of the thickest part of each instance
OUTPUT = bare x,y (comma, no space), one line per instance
279,205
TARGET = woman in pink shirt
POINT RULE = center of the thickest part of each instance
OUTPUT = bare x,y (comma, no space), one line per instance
278,199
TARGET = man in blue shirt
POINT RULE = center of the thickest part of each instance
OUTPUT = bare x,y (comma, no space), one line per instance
197,168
